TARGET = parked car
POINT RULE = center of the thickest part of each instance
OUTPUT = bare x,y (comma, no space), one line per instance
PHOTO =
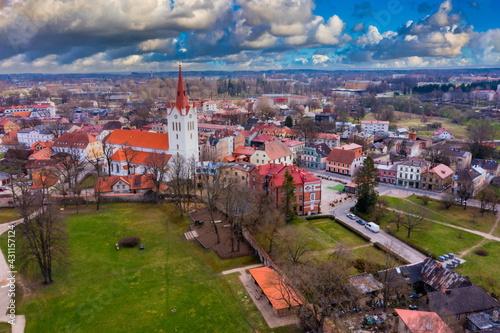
372,226
351,216
360,221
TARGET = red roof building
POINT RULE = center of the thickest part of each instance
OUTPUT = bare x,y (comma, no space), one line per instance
269,179
127,184
345,160
420,322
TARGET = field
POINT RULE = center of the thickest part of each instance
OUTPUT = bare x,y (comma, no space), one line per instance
339,187
172,286
485,270
8,214
455,215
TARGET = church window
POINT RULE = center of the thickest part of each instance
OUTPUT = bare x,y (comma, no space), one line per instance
177,147
191,135
177,136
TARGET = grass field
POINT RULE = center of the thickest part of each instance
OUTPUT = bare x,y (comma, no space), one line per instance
337,232
8,214
485,271
455,215
339,187
88,182
106,290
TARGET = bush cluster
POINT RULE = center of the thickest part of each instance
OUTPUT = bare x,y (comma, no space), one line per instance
130,241
481,252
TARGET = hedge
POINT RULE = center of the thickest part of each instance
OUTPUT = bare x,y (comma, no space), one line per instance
415,246
381,247
342,223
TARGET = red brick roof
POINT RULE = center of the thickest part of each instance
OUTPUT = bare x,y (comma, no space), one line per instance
44,144
158,141
138,157
44,179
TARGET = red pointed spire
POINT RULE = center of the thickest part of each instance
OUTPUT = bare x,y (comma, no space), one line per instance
182,101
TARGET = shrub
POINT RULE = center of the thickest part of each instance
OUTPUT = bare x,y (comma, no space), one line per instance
425,199
129,241
481,252
359,264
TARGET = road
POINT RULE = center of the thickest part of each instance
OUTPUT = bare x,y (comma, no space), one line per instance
397,246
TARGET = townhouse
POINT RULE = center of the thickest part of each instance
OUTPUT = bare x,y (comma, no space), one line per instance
438,178
314,157
388,173
330,139
345,160
85,145
272,152
410,171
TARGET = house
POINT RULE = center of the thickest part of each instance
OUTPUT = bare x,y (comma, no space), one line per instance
28,137
453,305
388,173
409,148
39,145
462,159
314,157
242,171
473,180
368,288
377,148
487,321
295,146
375,127
345,129
7,125
409,172
438,178
44,180
85,145
127,184
491,166
240,154
330,139
443,134
282,297
261,139
272,152
345,160
420,322
269,178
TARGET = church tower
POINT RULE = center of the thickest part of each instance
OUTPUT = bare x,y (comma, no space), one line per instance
182,125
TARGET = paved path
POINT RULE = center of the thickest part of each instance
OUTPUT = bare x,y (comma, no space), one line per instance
262,304
4,289
397,246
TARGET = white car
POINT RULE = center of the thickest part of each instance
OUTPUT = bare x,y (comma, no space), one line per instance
372,226
351,216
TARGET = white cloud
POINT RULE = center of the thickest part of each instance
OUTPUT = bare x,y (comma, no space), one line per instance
319,59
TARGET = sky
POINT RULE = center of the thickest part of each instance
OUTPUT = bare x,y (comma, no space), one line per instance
86,36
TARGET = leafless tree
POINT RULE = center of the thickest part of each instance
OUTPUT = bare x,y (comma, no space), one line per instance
176,176
97,163
157,165
447,200
129,156
413,219
293,247
464,191
268,225
108,152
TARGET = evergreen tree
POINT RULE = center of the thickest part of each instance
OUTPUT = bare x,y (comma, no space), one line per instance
288,121
367,181
288,190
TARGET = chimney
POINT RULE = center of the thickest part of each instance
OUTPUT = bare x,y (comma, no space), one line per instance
494,316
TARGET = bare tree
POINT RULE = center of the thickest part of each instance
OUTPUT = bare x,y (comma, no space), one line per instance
129,154
108,152
413,219
447,200
268,226
464,191
157,165
294,248
97,163
176,177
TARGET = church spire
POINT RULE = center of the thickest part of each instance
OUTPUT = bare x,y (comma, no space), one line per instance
182,101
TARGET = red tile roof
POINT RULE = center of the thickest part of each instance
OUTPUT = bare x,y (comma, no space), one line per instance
243,150
423,322
136,182
276,149
44,179
44,144
442,171
137,157
158,141
342,156
42,154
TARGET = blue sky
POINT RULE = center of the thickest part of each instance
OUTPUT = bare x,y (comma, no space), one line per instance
53,36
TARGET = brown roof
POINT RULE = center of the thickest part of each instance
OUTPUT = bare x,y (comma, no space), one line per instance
276,149
136,182
342,156
74,140
423,322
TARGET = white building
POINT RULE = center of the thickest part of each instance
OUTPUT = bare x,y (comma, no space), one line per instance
209,106
375,127
28,137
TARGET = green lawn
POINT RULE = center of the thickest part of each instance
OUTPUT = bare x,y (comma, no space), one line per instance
8,214
484,271
106,290
455,215
88,182
338,232
318,240
5,328
339,187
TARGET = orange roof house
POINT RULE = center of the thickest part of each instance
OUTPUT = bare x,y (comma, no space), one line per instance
421,322
44,179
136,139
39,145
283,298
127,184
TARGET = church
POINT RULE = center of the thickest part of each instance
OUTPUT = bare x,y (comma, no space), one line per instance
132,148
